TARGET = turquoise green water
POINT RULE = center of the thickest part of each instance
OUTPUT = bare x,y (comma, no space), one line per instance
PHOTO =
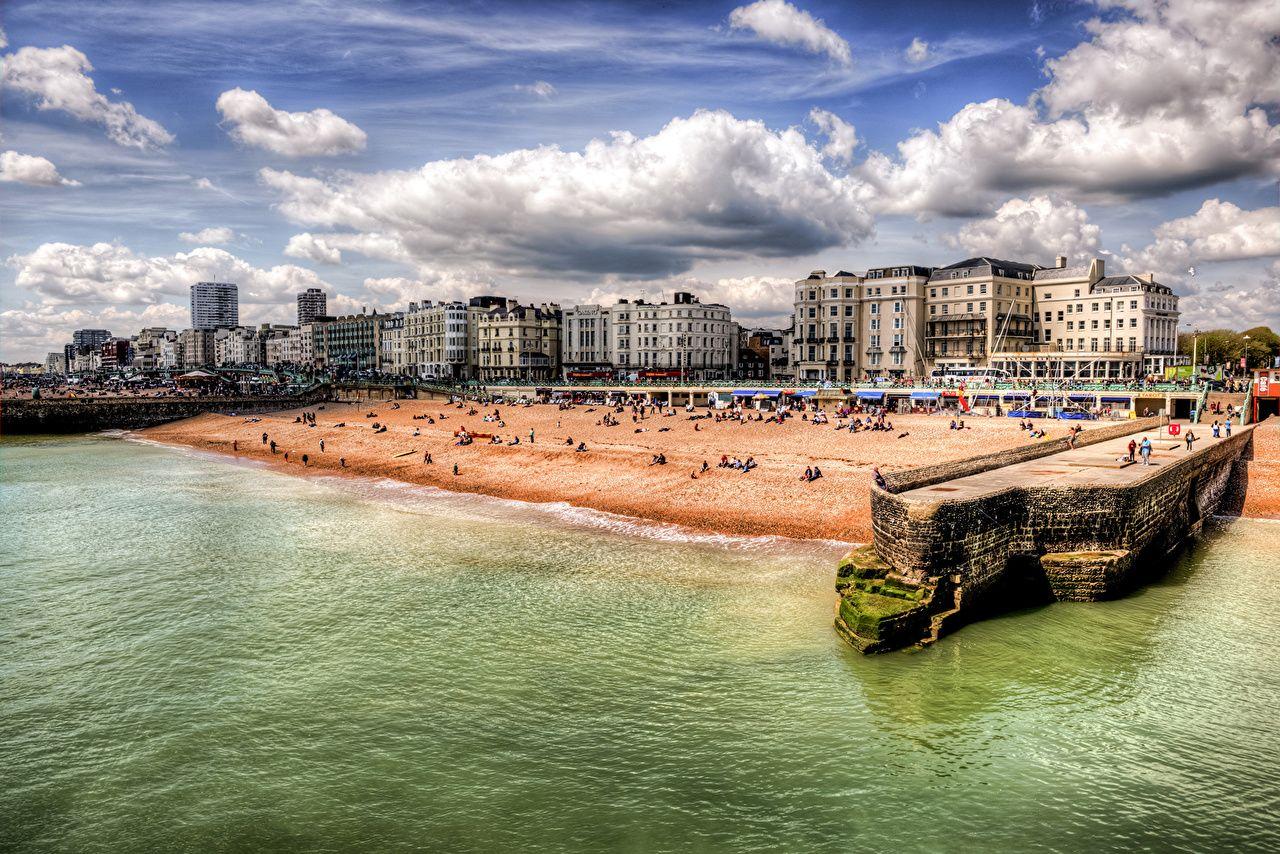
197,655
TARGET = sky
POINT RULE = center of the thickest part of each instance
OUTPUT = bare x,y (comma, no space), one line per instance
581,152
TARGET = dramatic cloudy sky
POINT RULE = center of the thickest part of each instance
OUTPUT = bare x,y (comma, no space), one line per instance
394,151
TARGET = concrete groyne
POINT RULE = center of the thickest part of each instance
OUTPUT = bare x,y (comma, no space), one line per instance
89,414
958,541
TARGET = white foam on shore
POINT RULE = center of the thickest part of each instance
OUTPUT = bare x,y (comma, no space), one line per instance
427,499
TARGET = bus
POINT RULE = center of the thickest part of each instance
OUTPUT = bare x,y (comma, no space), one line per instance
956,374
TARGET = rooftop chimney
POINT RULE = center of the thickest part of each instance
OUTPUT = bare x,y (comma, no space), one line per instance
1062,262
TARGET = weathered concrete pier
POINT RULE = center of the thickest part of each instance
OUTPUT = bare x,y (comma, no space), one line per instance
956,541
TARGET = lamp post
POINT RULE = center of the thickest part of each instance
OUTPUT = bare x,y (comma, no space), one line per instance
1245,363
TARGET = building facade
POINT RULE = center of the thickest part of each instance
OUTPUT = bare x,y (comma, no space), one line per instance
1090,326
519,342
893,316
435,338
215,305
312,303
976,307
197,348
824,347
350,342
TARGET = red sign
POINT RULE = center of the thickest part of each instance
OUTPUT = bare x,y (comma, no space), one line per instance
1175,429
654,375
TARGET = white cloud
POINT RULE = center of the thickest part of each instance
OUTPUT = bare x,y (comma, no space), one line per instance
397,291
30,331
710,186
842,138
539,88
208,236
779,22
1163,97
56,77
1035,230
29,169
918,51
318,132
312,248
1240,302
1219,231
204,184
106,274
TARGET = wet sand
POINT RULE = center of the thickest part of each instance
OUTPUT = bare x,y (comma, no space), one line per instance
615,474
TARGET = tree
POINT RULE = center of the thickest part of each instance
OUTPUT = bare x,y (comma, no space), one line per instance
1225,347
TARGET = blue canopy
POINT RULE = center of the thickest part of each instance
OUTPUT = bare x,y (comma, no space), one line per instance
767,392
806,393
745,392
870,395
1106,399
925,395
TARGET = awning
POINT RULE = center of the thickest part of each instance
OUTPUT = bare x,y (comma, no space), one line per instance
870,395
745,392
804,393
925,395
1106,399
767,392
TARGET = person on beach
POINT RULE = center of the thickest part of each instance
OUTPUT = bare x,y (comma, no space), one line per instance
455,469
878,478
342,462
322,446
273,447
264,438
531,436
1145,450
235,446
808,474
305,459
1217,430
817,473
1133,449
1227,427
286,456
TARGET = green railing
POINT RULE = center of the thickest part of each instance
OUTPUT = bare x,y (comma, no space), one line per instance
1246,409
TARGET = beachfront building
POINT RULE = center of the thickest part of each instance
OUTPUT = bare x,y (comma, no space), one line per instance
55,363
684,338
824,347
586,342
116,353
282,349
392,350
240,345
1090,326
435,339
155,348
976,307
196,347
893,311
349,342
215,305
518,342
772,347
312,304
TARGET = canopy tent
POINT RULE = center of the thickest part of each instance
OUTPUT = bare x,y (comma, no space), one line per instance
925,395
870,395
1125,400
745,392
805,393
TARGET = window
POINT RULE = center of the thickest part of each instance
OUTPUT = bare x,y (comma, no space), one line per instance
875,308
835,311
897,307
968,308
1048,317
848,293
969,290
982,289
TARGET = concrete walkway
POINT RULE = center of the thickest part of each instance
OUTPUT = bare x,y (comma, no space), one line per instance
1094,464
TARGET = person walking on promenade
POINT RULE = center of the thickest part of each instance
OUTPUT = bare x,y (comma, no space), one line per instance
1217,430
1133,449
1227,425
1145,450
1191,437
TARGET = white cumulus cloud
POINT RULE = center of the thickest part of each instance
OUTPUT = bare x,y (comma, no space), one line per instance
208,236
256,123
1165,95
1218,231
1035,230
842,138
56,78
779,22
30,169
710,186
917,51
312,248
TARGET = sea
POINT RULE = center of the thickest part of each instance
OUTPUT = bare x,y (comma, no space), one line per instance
203,654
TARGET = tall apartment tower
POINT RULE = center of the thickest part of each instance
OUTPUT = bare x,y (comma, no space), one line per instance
215,305
312,303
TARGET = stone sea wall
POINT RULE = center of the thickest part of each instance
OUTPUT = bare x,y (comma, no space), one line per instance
1044,543
86,415
901,481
